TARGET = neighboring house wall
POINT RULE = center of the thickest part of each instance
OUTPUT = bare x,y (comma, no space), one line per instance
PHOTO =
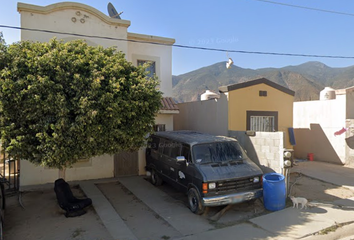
248,99
265,149
78,18
315,123
208,116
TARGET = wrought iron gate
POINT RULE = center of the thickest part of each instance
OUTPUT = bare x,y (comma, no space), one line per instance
9,172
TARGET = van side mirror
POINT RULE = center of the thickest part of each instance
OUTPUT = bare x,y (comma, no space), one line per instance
180,159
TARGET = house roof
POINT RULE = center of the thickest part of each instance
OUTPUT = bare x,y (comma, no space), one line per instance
169,104
232,87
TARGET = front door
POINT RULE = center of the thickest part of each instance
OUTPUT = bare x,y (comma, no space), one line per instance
126,164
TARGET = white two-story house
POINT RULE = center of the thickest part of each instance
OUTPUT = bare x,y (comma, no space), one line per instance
76,18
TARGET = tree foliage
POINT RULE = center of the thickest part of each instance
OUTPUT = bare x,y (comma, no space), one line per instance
61,102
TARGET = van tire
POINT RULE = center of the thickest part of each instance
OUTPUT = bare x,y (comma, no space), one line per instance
194,202
155,178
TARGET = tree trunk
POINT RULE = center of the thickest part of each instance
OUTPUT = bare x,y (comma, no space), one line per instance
62,173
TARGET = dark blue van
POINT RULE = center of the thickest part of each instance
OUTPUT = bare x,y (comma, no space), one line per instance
212,170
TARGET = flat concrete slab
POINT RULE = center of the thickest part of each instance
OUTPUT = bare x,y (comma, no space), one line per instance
332,173
172,211
297,223
244,231
109,217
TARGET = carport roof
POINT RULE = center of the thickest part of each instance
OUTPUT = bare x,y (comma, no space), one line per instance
232,87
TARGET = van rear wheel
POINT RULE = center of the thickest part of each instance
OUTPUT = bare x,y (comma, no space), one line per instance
194,202
155,178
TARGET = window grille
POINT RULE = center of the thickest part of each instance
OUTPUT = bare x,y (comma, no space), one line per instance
262,123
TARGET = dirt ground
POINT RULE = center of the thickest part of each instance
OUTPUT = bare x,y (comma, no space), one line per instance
42,218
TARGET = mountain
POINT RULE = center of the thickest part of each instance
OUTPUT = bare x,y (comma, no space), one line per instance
307,80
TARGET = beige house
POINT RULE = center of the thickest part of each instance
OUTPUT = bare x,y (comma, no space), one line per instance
260,105
258,113
76,18
325,127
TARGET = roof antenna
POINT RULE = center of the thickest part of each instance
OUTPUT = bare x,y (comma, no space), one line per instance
229,62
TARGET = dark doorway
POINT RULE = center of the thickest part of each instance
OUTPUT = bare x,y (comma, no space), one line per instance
126,164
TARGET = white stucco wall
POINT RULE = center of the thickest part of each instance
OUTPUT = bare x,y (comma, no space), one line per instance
162,55
97,167
62,20
88,21
315,123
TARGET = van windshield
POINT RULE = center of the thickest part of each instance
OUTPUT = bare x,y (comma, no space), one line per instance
217,152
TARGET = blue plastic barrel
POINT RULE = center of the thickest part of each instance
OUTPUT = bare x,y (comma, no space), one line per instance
274,191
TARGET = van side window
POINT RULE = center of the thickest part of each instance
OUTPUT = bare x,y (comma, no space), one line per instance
154,144
186,152
167,147
175,150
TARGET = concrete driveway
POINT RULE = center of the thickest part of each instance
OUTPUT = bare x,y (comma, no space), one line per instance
177,222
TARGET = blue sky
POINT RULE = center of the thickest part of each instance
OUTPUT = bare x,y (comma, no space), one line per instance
247,25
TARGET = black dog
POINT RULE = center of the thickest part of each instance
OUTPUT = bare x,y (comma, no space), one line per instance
74,207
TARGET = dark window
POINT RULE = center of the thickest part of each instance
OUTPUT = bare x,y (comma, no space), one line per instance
175,150
262,93
167,147
186,152
154,143
262,121
159,127
150,67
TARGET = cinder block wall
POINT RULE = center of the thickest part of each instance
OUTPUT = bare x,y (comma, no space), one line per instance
265,149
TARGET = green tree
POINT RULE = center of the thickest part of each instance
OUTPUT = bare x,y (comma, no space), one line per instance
61,102
2,51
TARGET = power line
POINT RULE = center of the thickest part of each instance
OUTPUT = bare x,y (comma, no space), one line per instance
308,8
181,46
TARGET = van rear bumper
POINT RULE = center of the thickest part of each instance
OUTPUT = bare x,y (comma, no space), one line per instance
232,198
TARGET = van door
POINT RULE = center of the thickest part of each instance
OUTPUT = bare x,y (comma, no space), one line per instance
171,151
185,172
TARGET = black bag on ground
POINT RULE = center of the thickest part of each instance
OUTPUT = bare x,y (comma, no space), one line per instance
66,200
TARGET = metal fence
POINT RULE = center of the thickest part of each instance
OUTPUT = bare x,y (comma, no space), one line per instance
9,172
262,123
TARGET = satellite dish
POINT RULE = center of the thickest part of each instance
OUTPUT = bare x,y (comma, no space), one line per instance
113,12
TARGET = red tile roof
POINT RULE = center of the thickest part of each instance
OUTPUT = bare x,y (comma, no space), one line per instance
168,104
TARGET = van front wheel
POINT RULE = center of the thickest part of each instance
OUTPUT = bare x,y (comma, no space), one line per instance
155,178
194,202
